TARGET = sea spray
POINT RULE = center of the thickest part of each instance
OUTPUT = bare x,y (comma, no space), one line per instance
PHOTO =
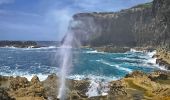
69,42
66,63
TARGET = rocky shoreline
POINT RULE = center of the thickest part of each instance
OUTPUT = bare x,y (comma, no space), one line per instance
134,86
163,58
19,44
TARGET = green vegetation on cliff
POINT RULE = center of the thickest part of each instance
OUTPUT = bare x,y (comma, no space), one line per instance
146,5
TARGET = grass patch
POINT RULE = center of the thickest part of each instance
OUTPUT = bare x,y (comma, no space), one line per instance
146,5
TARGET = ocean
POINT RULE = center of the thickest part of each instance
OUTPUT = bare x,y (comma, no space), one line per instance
87,63
98,67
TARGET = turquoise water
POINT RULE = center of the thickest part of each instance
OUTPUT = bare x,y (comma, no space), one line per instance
87,63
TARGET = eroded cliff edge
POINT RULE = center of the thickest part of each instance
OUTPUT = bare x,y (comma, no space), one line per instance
142,25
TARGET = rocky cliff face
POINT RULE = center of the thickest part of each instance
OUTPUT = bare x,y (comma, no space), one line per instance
143,25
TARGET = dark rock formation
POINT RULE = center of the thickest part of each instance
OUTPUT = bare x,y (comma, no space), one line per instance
163,58
135,74
162,62
159,75
4,95
19,44
143,25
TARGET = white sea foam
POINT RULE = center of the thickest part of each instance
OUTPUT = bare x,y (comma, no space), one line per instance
117,66
26,75
151,61
134,50
94,51
30,48
128,59
98,85
151,54
92,77
122,68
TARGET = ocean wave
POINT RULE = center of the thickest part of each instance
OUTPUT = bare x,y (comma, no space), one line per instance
94,52
116,66
93,77
151,61
42,77
41,48
97,88
151,54
136,51
30,48
98,84
129,59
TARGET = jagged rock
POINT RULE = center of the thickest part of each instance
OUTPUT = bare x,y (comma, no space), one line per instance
159,75
81,86
4,95
18,82
135,74
20,44
162,62
35,80
51,86
21,88
135,86
4,81
117,88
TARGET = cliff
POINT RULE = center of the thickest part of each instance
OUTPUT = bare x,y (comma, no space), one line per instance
142,25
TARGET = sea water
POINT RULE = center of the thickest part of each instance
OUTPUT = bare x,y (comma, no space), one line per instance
99,67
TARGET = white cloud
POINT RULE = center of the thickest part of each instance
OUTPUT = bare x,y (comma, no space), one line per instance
107,5
6,1
50,18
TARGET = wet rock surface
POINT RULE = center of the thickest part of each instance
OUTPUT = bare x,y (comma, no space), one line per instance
163,58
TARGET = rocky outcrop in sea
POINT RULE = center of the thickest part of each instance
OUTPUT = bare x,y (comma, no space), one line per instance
19,44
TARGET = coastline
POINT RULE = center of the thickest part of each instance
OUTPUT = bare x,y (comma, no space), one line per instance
136,85
163,58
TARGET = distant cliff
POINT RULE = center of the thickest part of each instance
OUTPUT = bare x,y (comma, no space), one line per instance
143,25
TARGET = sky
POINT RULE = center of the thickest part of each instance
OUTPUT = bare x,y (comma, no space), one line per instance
49,19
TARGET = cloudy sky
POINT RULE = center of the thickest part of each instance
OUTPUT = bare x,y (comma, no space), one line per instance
48,19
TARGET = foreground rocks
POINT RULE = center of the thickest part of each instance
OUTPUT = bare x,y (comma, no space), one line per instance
135,86
163,58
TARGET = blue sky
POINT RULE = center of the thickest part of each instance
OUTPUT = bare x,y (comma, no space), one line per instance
48,19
